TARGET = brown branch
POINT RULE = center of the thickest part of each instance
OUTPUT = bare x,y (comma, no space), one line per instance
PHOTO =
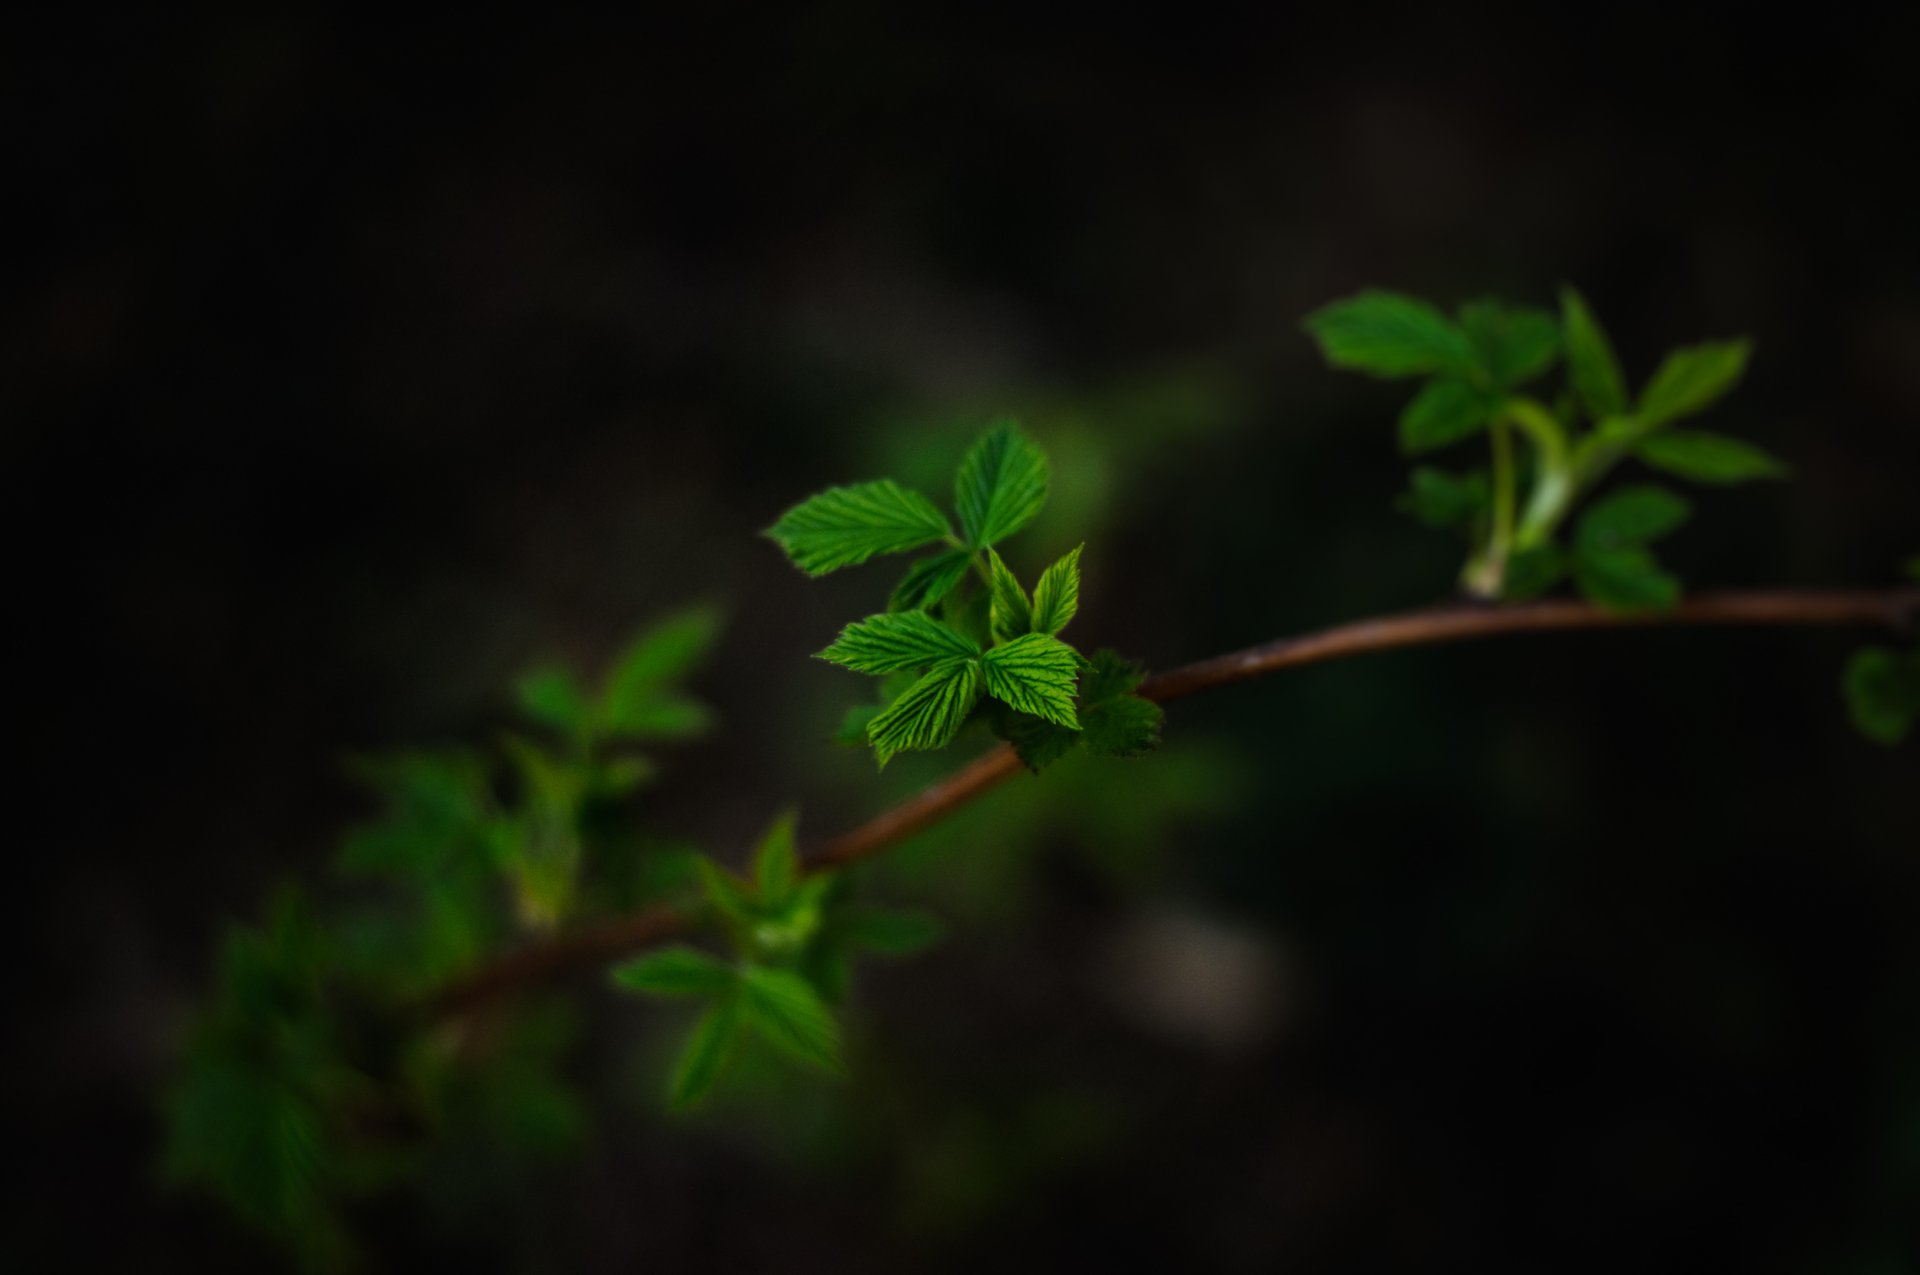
596,945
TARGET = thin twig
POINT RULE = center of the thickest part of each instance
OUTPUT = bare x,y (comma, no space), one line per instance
596,945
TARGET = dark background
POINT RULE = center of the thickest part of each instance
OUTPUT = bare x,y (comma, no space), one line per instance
348,368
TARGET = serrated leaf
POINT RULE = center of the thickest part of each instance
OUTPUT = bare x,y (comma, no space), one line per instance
1122,726
1708,458
1056,599
845,526
1035,674
896,643
1388,335
929,713
706,1054
1531,572
1591,363
1690,380
1510,344
1883,693
1010,613
889,931
676,971
727,893
1441,499
1631,516
1001,485
553,697
1625,579
776,864
1109,674
1444,412
784,1009
930,580
1037,742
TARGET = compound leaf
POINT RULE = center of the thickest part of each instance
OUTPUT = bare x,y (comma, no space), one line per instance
1001,485
1035,674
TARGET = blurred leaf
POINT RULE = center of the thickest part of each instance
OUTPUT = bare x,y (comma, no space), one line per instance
1035,674
1056,599
1122,726
436,804
1001,485
852,732
1009,612
896,643
776,864
930,580
786,1011
1446,411
553,697
1531,572
1038,742
1708,458
1625,579
1883,693
1445,500
1690,381
1591,364
844,526
676,971
1511,344
1631,516
891,932
705,1054
727,893
929,713
1386,334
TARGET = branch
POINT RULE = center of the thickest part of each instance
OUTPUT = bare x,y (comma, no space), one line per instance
596,945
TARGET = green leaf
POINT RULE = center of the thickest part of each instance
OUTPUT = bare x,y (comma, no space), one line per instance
1591,364
1511,345
706,1054
1883,693
785,1010
640,701
897,642
929,713
1056,599
1626,579
663,716
1913,569
1038,743
553,697
1010,613
1388,335
727,893
1631,516
1446,411
1441,499
1001,485
1109,675
1531,572
1123,726
1690,380
676,971
1707,458
844,526
852,732
1035,674
776,864
891,932
930,580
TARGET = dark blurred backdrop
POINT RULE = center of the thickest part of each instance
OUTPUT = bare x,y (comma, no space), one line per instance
351,366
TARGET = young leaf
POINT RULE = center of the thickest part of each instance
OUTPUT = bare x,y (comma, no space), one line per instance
1037,742
1631,516
1010,613
1625,579
639,701
553,697
1446,411
1510,345
844,526
1883,693
1707,458
930,711
1690,380
897,642
785,1010
776,864
727,893
706,1054
891,932
1035,674
1122,726
930,580
1531,572
1591,364
1441,499
676,971
1056,599
852,732
1388,335
1001,485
